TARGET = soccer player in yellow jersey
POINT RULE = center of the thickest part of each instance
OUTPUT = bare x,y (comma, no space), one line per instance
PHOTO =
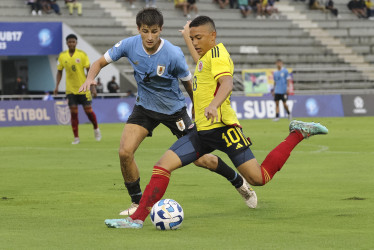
216,125
75,61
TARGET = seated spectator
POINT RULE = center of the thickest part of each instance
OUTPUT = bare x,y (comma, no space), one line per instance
182,4
153,4
55,6
132,5
244,7
223,3
74,4
256,6
191,6
36,8
357,8
331,8
271,10
112,85
315,5
369,9
46,6
99,86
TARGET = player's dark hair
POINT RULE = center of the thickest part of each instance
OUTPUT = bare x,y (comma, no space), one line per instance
149,16
202,20
71,36
279,60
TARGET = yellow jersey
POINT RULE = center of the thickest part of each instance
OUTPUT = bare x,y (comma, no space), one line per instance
210,67
74,67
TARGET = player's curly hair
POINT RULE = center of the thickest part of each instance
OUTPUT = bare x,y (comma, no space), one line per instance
71,36
149,16
202,20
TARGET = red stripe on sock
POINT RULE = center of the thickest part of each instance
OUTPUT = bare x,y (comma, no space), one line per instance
153,192
275,160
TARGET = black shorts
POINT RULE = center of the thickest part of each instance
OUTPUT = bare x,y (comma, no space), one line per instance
74,100
282,97
229,140
178,122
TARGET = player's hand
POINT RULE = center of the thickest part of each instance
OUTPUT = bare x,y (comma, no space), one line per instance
272,92
186,29
211,114
87,85
55,92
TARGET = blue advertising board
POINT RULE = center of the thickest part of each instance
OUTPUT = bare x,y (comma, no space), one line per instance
30,38
26,113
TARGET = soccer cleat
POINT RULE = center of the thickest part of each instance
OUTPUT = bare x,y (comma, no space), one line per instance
97,134
124,223
248,194
130,210
290,116
308,129
276,119
76,141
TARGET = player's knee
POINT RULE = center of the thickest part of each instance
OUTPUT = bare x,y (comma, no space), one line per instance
125,154
207,161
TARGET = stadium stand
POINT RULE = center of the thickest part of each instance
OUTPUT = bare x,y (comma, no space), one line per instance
327,54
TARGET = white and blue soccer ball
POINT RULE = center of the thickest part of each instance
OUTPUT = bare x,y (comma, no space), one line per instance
167,214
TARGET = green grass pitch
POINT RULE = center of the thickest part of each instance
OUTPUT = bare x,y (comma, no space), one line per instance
54,195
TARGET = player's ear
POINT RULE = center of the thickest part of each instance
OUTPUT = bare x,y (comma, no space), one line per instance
214,35
160,28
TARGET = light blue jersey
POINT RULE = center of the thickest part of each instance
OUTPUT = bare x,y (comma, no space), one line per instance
280,79
156,75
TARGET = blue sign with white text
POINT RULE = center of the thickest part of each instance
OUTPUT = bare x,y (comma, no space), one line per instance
30,39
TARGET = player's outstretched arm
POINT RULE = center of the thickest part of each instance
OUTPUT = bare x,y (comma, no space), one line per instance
58,80
92,73
186,35
226,85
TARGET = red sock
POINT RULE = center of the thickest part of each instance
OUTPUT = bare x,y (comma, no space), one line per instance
153,192
275,160
74,123
91,116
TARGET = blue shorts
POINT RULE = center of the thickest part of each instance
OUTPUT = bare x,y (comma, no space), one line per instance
229,140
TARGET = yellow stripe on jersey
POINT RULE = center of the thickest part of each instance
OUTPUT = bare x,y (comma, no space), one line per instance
75,73
210,67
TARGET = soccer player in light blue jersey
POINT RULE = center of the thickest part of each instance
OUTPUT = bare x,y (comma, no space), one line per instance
158,66
281,88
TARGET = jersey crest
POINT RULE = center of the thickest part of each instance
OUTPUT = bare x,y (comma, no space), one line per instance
200,67
160,70
78,60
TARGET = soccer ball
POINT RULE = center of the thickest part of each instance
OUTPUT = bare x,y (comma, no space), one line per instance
167,214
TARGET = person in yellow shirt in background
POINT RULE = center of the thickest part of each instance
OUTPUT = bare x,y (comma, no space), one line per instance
369,9
74,4
75,61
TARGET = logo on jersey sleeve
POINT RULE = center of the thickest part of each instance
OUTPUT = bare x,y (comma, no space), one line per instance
160,70
118,44
200,67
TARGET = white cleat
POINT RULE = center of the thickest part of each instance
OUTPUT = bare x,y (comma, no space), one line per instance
76,141
97,134
130,211
248,194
